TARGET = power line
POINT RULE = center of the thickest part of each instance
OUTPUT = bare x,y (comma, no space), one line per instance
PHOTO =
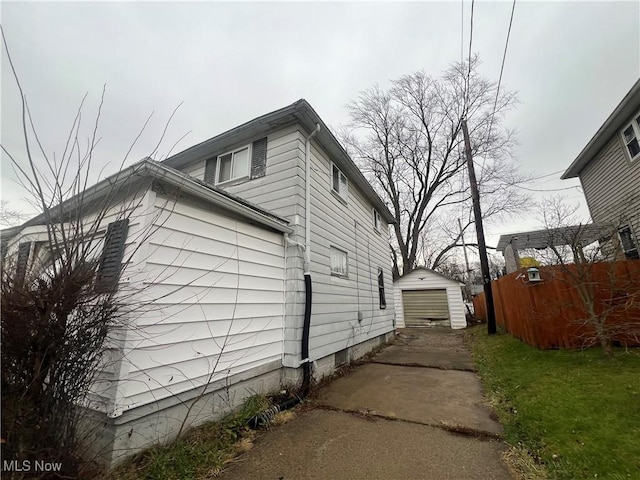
504,57
468,79
462,33
546,189
544,176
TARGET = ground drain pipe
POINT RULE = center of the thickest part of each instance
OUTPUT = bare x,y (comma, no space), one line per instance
265,417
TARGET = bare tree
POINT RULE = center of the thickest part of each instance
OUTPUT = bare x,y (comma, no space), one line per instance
407,140
61,301
10,217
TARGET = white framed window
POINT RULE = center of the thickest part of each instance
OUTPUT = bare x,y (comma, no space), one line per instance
339,262
233,165
376,220
339,183
631,137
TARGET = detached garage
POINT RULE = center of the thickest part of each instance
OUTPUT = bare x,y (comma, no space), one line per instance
424,298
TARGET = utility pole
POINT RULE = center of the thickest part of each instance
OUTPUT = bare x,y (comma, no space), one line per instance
482,247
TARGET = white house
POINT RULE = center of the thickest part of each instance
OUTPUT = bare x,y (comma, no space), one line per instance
425,298
262,254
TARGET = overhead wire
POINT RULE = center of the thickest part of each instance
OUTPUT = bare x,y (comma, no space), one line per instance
462,33
576,187
504,58
468,78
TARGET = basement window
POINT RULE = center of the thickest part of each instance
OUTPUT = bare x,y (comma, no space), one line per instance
631,137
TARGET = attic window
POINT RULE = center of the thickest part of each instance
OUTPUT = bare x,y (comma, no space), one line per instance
631,137
233,165
339,183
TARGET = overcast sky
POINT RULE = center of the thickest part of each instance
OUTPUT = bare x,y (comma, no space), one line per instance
226,63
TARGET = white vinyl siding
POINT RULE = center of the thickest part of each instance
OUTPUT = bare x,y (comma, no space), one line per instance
335,222
337,300
421,280
214,287
611,186
281,191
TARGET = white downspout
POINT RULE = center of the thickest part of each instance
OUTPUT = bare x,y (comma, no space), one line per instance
307,206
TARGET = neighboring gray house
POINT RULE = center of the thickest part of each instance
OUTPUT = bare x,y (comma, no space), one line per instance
268,262
609,171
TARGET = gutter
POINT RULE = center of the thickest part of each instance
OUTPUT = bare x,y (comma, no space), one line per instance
308,299
148,167
307,206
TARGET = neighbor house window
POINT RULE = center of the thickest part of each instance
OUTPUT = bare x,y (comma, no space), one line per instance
383,299
631,137
629,243
339,182
233,165
376,220
339,262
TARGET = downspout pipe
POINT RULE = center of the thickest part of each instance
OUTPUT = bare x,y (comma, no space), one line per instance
308,298
265,417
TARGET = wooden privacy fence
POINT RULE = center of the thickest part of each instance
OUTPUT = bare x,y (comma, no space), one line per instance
551,313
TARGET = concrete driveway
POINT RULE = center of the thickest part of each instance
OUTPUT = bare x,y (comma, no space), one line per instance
416,411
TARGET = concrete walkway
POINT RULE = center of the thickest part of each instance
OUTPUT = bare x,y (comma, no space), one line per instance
416,411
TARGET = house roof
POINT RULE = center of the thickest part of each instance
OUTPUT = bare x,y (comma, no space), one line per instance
148,168
299,112
620,115
544,238
425,269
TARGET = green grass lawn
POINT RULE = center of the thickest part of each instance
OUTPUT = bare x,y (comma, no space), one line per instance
576,412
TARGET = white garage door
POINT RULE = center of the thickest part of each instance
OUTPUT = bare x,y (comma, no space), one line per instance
423,308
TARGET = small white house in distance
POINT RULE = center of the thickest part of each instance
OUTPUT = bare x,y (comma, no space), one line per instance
425,298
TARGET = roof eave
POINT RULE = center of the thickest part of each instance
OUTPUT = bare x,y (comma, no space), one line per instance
151,169
298,112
